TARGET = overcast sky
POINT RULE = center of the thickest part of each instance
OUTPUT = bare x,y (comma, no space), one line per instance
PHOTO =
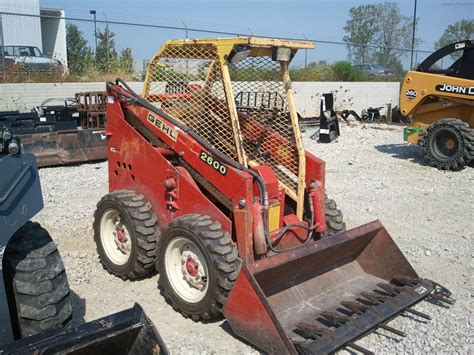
321,20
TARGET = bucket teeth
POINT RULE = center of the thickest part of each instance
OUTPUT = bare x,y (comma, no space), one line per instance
418,313
335,318
406,281
390,289
374,298
313,331
359,348
370,311
441,298
392,330
355,307
441,290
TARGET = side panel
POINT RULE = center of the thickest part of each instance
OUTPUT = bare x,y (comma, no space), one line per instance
20,193
429,113
135,164
419,86
20,199
6,332
251,317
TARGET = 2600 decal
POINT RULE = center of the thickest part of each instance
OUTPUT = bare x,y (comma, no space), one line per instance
213,163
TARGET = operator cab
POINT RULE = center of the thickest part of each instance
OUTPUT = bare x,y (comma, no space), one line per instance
461,68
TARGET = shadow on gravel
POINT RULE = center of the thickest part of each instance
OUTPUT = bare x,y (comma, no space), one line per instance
439,303
414,318
226,327
72,165
395,339
78,309
408,152
412,153
203,321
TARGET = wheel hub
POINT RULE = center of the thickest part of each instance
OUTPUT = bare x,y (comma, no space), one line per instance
444,145
121,237
192,269
115,237
449,144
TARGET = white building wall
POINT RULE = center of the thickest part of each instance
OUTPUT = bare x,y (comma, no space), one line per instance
53,33
21,30
348,95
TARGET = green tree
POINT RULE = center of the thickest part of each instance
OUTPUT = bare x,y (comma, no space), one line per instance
106,56
345,71
361,29
380,30
126,61
394,32
77,50
463,29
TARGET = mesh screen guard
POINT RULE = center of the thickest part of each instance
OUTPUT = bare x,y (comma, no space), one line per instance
241,108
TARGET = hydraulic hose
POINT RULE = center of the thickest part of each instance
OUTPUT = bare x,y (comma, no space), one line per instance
137,99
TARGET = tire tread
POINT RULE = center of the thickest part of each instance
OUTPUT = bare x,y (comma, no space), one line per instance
223,254
39,287
145,230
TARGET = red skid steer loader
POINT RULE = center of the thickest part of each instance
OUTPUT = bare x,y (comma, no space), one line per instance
210,184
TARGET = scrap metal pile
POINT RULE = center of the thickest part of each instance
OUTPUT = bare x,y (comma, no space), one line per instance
60,133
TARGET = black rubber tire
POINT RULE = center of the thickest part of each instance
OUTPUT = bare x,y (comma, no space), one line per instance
464,140
334,218
222,261
140,221
37,286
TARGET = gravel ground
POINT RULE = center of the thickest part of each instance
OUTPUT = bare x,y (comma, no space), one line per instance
370,173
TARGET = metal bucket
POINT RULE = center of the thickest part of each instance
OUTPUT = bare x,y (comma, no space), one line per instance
66,147
320,297
129,332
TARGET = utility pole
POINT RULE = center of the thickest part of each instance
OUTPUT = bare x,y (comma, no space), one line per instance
185,29
413,36
106,41
93,12
187,37
305,54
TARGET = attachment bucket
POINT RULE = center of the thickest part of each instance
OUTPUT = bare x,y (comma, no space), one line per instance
320,297
129,332
65,147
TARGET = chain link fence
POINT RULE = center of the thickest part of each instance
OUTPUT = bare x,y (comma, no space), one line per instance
52,47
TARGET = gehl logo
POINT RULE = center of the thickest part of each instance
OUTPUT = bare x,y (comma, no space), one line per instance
162,126
456,89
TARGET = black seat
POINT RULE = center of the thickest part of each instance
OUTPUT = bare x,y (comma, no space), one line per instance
466,66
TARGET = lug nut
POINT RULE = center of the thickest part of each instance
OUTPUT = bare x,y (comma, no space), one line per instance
13,147
6,135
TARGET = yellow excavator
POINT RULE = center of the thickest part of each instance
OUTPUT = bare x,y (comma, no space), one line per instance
440,105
